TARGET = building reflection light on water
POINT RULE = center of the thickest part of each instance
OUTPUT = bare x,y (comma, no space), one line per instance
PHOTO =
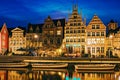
56,75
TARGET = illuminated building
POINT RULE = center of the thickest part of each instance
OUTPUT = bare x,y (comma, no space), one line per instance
3,39
52,32
96,37
17,41
75,32
116,43
31,39
112,25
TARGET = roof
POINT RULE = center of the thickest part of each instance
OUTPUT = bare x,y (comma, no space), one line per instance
113,31
10,30
61,20
34,26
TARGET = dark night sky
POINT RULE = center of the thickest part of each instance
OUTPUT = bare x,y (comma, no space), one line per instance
21,12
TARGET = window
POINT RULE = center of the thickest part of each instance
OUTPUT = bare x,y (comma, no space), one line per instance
93,33
97,26
51,41
45,41
67,31
75,24
83,31
102,33
83,40
71,24
78,40
59,32
98,34
79,24
75,17
98,49
102,49
67,40
58,41
93,50
71,31
51,32
93,26
88,34
71,40
78,31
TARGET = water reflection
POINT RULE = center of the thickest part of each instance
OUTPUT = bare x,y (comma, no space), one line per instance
25,74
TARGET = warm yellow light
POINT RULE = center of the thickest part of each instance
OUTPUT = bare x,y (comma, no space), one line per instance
111,36
35,36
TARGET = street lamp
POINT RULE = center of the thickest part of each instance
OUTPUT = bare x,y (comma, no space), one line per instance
36,37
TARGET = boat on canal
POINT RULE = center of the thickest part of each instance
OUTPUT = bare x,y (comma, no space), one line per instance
13,65
94,67
49,66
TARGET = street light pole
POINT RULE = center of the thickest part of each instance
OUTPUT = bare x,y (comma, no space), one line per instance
36,37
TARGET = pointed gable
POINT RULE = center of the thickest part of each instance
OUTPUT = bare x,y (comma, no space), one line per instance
96,21
17,30
4,28
48,23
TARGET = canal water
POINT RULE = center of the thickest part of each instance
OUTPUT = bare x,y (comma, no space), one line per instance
55,74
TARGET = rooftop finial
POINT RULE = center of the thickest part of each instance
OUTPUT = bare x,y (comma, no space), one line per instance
75,5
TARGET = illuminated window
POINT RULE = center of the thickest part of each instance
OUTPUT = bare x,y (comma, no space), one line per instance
83,31
102,33
93,26
93,33
83,40
98,34
88,34
59,32
51,32
93,50
97,26
78,40
67,40
98,49
102,49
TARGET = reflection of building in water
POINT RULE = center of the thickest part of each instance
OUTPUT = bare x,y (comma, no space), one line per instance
3,75
48,75
17,75
96,76
35,75
117,76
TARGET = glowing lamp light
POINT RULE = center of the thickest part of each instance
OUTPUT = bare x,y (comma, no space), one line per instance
35,36
111,36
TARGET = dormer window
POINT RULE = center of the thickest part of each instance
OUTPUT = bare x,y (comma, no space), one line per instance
75,17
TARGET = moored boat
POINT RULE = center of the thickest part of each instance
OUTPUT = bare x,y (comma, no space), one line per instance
48,66
94,67
13,65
